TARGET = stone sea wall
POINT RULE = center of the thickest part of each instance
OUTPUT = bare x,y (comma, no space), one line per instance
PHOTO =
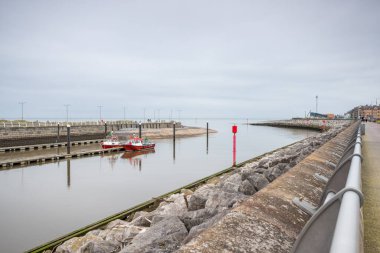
180,218
317,124
47,133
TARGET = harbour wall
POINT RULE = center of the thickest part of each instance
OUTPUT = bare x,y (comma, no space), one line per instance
42,133
313,124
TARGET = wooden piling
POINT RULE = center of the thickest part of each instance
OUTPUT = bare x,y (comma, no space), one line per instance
68,139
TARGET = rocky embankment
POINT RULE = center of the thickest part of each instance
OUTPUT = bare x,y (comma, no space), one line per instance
181,217
316,124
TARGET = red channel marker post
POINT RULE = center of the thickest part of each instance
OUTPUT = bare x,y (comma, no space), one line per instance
234,131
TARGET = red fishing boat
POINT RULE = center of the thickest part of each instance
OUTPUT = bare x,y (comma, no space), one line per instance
112,142
135,144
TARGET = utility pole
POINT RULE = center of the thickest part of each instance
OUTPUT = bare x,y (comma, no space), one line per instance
144,116
22,109
100,112
124,112
67,112
179,115
316,104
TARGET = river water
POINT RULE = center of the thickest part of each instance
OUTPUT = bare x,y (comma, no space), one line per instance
42,202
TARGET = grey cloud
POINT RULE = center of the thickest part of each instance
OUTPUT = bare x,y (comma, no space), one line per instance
235,58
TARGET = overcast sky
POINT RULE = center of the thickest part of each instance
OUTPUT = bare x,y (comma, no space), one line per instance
249,59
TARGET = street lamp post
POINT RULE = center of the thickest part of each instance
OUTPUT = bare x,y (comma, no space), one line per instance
100,112
67,112
316,104
22,109
179,115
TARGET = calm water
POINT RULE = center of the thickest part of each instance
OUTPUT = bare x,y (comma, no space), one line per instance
39,203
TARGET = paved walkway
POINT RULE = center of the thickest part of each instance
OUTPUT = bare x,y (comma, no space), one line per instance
371,188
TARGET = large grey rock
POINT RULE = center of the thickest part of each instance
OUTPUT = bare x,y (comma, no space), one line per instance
221,199
231,183
164,236
291,153
285,159
100,247
246,172
266,165
281,166
121,233
173,206
142,219
253,165
198,199
293,163
196,230
88,243
195,218
261,170
247,188
259,181
117,223
263,161
272,173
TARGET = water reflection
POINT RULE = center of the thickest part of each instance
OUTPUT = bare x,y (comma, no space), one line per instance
173,151
112,160
133,158
207,144
129,155
68,173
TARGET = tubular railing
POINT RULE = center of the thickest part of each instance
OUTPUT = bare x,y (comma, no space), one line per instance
347,234
336,224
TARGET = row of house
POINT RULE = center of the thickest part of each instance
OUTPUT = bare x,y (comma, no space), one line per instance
369,112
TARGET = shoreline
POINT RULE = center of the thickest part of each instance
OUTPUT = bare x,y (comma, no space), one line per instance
165,133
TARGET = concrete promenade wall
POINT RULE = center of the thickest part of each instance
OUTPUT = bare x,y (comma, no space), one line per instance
30,135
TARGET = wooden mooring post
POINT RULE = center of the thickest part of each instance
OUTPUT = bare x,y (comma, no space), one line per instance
68,139
174,132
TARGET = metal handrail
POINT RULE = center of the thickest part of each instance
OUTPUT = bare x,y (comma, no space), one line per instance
347,234
335,226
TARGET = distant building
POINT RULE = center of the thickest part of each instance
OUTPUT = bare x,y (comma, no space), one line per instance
317,115
370,112
322,116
